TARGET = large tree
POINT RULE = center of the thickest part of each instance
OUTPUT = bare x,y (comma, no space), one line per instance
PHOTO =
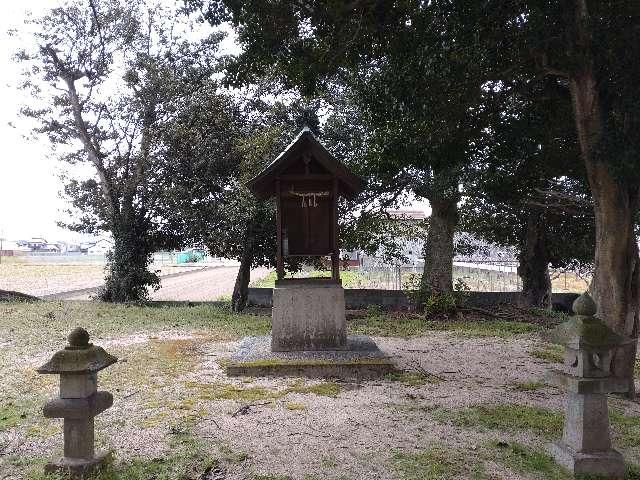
424,137
594,47
104,76
527,191
212,155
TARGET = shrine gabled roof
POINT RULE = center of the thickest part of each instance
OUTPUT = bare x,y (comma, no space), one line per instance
263,184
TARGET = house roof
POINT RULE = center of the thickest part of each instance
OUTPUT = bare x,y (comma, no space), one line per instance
263,184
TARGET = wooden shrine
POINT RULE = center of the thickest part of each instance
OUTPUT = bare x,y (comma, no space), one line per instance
307,181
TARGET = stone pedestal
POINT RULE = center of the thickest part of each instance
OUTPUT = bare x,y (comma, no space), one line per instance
308,316
585,448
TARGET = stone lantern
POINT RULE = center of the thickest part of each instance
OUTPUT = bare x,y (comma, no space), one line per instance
585,447
79,401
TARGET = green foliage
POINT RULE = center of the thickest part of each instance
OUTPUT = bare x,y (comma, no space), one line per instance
108,320
438,303
230,391
119,71
128,277
434,303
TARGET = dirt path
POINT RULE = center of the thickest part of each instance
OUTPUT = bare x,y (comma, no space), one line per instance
200,286
206,285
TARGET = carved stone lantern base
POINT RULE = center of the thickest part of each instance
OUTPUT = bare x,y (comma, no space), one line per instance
78,468
609,464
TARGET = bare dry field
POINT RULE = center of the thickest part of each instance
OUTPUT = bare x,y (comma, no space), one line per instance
38,278
467,402
45,278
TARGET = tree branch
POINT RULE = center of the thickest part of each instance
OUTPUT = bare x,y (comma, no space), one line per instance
69,77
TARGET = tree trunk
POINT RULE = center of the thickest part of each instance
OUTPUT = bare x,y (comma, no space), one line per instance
534,264
241,288
128,276
437,276
616,283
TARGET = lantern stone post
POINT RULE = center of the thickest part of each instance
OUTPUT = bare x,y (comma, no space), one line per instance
79,401
585,447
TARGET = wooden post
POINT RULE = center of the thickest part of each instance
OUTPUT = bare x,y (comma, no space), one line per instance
335,256
279,259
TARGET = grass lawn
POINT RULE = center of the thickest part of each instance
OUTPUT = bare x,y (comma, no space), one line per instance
467,400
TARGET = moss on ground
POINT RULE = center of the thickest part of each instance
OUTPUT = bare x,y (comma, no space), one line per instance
11,415
231,391
625,429
411,378
295,406
526,460
436,463
528,386
541,421
549,353
326,389
187,458
232,455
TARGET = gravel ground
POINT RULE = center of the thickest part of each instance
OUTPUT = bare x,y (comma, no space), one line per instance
167,383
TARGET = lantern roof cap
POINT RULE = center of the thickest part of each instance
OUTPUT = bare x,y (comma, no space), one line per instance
79,356
584,330
263,184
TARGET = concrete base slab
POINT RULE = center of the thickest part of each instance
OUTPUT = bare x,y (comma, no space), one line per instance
78,468
608,464
360,360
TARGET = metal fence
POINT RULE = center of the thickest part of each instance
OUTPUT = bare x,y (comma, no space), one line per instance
486,275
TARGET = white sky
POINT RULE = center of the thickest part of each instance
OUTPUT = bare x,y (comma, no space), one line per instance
29,187
29,203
